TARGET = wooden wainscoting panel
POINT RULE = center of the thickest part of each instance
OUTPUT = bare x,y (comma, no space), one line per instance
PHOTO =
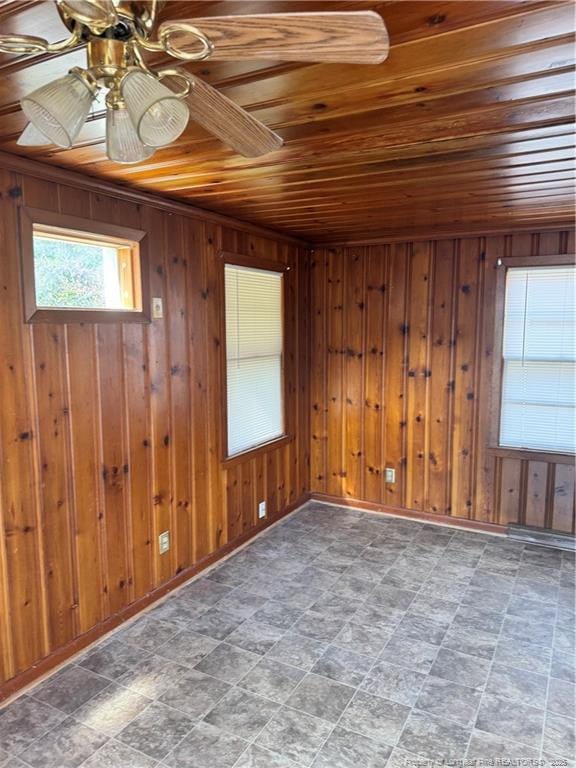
536,494
509,489
563,498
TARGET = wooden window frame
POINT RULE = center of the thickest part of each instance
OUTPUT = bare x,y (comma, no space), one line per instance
494,447
97,230
250,262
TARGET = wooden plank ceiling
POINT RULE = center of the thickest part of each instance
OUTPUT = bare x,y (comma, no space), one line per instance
466,127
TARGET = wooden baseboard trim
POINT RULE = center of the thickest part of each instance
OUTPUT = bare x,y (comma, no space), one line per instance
542,537
63,654
427,517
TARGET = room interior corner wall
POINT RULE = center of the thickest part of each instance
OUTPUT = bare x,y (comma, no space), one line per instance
110,433
402,344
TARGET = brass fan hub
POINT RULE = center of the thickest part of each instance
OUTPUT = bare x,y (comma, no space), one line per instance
106,57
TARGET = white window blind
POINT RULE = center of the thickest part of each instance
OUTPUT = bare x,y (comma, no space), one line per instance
254,357
538,408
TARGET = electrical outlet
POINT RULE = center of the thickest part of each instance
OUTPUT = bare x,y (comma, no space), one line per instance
164,542
157,308
262,509
390,475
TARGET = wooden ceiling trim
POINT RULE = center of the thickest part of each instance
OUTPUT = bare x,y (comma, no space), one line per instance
391,208
472,229
40,170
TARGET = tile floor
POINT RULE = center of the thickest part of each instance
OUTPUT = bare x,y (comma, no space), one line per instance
339,639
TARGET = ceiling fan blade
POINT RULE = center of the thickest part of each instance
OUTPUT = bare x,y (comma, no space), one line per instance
356,37
229,122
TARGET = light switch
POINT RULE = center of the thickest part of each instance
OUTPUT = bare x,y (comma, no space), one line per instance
157,308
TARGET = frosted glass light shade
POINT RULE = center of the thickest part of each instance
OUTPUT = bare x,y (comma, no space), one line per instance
32,137
59,109
157,113
122,142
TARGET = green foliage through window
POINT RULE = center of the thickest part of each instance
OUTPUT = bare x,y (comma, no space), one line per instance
75,274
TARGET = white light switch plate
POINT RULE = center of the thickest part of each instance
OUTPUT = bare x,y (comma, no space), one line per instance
157,308
390,475
262,509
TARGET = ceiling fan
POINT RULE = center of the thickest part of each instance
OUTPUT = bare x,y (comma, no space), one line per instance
142,112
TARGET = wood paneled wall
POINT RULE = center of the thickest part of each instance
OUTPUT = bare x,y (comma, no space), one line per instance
109,432
401,363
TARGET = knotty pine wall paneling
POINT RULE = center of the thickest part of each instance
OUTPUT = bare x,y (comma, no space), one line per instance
402,344
469,121
109,433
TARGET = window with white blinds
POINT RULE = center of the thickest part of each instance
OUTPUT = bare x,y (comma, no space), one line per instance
254,357
538,408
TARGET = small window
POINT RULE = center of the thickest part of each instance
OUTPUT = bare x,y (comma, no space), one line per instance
539,360
254,357
75,271
78,270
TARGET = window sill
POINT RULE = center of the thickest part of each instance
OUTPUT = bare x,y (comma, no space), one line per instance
87,316
531,455
251,453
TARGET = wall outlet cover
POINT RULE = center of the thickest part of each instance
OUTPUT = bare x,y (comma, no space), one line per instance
262,510
164,542
157,308
390,475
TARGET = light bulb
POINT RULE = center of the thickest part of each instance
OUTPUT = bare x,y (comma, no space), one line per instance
122,142
157,113
59,109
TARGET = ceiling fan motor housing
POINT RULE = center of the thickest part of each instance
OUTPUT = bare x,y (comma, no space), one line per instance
106,57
